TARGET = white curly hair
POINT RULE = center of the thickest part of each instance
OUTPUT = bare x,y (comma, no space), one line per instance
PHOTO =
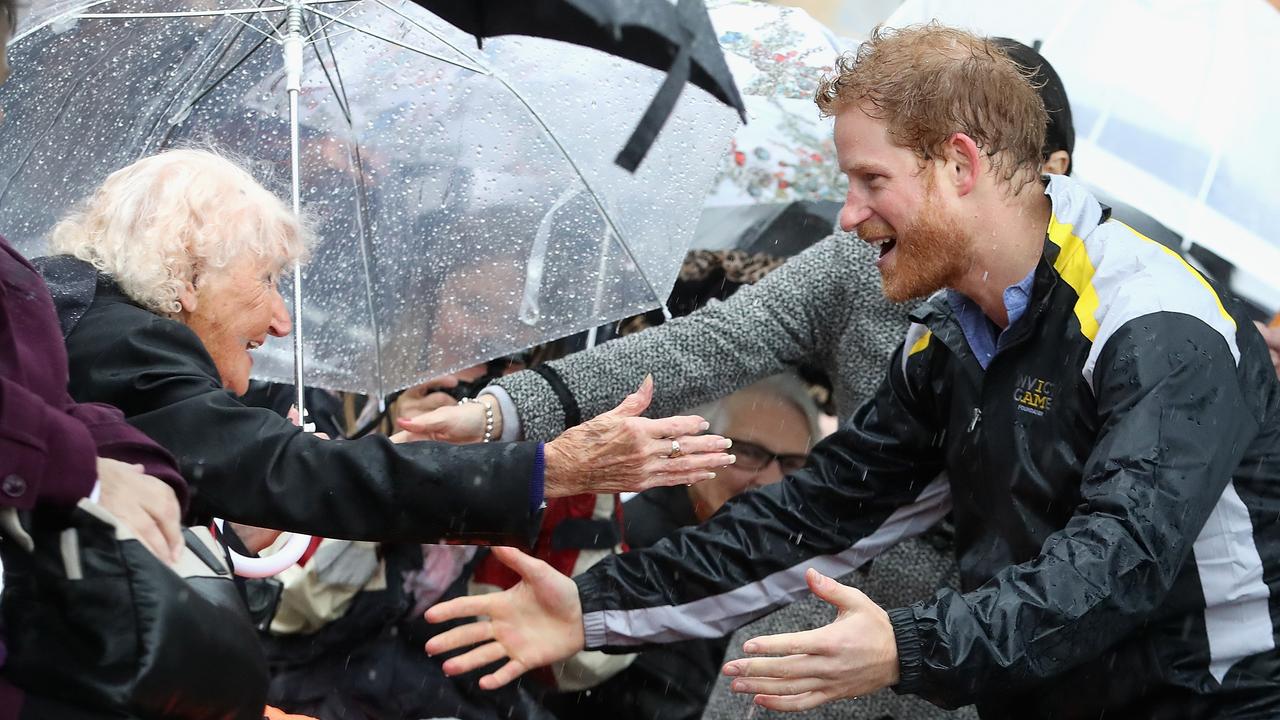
167,219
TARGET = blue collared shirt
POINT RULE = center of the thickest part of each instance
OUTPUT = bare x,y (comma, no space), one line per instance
984,336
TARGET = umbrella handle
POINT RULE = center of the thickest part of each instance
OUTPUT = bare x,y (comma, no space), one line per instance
274,564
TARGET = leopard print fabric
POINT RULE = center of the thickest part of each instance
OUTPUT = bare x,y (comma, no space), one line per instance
740,267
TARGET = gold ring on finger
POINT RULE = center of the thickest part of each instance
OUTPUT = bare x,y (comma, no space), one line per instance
675,449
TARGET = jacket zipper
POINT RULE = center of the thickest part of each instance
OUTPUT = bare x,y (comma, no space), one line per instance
977,418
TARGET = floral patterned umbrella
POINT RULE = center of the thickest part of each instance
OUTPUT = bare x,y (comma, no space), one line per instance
785,153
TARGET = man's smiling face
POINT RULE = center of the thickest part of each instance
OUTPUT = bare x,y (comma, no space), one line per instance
893,203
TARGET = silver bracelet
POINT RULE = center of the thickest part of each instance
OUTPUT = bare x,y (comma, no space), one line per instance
488,416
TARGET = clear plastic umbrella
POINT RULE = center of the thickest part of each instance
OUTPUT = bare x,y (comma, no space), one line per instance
785,153
466,201
1174,106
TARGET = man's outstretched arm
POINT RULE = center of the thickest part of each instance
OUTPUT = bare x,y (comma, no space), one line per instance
868,486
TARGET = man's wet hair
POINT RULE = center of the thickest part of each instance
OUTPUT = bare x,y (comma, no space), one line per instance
930,81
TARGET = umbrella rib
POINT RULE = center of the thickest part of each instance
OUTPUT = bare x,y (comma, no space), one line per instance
428,30
177,13
214,85
325,26
226,49
68,14
362,203
397,43
258,30
77,14
595,198
340,33
340,96
232,14
591,192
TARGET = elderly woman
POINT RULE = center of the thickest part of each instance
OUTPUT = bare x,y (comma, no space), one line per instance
165,287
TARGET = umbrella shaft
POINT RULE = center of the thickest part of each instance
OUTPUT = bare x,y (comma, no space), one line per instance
293,77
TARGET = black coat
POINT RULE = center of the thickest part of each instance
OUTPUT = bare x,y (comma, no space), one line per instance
252,466
1113,473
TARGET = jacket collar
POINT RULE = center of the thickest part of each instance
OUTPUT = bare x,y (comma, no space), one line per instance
76,285
1074,212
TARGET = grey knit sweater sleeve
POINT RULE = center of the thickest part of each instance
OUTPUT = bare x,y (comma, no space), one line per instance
823,307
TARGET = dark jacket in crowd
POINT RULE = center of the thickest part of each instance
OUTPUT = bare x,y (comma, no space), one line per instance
253,466
49,444
1113,474
369,663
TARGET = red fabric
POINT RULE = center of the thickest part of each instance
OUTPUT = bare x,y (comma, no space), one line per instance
490,571
311,550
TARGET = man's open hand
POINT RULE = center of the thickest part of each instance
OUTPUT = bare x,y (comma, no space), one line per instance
535,623
854,655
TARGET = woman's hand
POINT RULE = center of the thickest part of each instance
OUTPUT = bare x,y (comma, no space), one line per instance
619,451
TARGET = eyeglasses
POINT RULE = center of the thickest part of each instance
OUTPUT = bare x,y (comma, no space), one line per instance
753,457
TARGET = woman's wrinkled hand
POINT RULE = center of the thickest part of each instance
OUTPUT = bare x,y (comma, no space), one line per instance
619,451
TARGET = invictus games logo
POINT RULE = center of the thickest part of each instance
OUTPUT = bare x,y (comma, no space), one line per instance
1033,395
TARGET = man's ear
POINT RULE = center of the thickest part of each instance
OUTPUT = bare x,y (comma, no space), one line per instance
963,163
1057,163
187,297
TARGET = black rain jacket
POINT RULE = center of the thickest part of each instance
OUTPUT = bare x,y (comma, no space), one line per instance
252,466
1115,480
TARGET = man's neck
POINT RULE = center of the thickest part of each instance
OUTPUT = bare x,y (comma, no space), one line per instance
1005,252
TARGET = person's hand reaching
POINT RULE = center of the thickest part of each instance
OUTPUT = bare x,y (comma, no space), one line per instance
619,451
855,655
453,423
534,623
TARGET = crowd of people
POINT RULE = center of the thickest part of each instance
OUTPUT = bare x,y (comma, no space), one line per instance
1050,492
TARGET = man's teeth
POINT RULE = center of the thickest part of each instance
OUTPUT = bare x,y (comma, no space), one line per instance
253,345
880,241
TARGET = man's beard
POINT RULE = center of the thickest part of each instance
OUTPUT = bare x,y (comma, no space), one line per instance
928,256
